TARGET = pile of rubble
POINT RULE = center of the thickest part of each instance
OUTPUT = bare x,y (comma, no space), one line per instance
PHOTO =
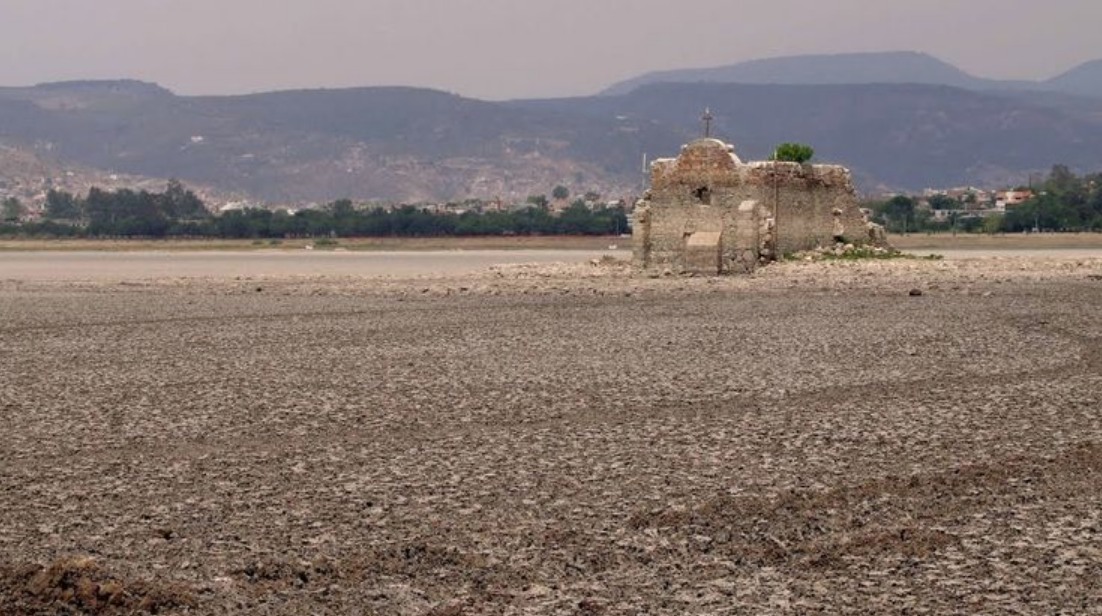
841,250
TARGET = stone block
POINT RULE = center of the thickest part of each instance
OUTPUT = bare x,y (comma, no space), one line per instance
703,252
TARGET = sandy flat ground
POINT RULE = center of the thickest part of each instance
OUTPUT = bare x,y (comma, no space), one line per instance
540,242
152,265
902,436
1002,241
149,265
1010,253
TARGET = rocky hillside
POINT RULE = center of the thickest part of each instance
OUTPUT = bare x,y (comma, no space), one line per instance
386,143
27,173
414,144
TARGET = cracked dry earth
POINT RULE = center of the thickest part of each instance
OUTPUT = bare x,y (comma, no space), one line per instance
573,440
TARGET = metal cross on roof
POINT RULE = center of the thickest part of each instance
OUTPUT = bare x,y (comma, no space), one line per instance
707,118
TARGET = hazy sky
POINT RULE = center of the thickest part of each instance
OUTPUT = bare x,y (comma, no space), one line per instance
512,48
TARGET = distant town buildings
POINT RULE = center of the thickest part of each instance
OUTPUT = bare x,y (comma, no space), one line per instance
1011,198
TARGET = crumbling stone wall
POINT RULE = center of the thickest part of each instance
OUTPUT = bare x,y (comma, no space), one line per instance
708,198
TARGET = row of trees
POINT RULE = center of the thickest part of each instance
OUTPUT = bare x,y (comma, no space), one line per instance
178,212
342,219
1063,202
902,214
1066,202
11,210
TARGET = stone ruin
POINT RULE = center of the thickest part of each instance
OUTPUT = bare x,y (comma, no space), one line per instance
707,212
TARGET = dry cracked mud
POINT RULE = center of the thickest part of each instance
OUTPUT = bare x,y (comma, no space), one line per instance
906,436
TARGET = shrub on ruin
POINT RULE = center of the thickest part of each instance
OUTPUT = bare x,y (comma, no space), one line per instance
793,153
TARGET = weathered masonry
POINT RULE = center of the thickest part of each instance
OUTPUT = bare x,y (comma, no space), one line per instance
708,212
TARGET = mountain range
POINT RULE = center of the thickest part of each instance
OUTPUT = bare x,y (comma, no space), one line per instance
908,67
900,121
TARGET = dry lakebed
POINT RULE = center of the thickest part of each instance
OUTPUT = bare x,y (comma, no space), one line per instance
904,436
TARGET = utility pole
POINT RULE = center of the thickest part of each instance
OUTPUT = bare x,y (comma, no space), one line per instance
776,205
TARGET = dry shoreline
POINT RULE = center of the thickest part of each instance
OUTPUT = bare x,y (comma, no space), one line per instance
1001,241
351,244
827,437
914,241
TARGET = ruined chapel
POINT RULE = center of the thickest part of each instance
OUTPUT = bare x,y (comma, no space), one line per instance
707,212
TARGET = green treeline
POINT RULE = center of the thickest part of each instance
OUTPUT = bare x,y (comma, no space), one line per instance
1063,202
1066,202
177,212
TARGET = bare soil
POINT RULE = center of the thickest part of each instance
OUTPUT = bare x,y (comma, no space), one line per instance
998,241
551,242
912,241
128,266
905,436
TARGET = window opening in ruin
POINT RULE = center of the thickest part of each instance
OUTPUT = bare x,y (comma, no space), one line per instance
703,195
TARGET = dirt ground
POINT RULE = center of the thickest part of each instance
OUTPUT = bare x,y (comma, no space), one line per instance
144,266
906,436
913,241
998,241
551,242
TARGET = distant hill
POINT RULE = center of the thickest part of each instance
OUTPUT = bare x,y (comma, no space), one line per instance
1084,80
414,144
317,145
897,67
27,173
902,136
853,68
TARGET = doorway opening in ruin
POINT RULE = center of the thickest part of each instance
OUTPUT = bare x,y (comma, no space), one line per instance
703,195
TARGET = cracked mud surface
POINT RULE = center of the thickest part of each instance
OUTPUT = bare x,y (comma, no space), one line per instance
557,440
